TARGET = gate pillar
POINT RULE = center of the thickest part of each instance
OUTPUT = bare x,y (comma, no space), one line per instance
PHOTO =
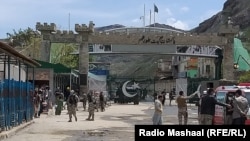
46,30
229,31
83,39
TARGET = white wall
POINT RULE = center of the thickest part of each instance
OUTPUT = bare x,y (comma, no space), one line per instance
14,72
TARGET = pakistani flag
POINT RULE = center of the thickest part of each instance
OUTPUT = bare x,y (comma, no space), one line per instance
155,8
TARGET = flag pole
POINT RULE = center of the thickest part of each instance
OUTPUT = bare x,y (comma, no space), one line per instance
144,16
69,21
154,19
154,15
150,18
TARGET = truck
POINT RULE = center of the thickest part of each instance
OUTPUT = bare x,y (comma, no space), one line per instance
128,92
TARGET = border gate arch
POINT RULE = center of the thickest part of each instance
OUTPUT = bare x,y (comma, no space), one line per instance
154,39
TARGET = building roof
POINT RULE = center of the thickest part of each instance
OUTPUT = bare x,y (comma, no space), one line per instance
144,29
58,68
9,50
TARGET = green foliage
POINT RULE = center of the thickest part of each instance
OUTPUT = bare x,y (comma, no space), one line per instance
21,37
61,53
245,77
34,48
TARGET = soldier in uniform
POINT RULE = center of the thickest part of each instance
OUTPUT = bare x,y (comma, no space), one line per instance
97,101
72,105
91,107
84,101
182,106
102,102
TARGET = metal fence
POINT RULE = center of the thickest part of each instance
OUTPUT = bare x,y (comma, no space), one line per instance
16,103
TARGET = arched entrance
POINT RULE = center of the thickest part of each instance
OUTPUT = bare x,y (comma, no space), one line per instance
153,41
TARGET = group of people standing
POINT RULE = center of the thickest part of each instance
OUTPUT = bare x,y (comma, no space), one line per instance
43,98
181,104
237,108
96,101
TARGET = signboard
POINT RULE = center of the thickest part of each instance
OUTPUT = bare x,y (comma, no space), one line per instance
43,74
99,72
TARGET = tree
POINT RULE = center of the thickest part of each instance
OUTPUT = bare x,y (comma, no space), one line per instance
21,38
61,53
245,77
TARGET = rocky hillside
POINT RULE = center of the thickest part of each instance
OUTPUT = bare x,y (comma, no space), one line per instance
131,65
238,10
103,28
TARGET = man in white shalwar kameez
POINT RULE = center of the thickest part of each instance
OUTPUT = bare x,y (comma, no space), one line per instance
157,117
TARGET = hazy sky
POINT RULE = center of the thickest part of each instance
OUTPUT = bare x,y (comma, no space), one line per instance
182,14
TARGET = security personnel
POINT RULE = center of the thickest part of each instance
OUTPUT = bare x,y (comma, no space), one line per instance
72,105
182,106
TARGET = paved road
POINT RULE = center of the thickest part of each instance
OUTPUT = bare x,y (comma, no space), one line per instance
116,123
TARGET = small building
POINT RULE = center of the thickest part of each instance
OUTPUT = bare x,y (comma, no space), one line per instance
54,76
16,92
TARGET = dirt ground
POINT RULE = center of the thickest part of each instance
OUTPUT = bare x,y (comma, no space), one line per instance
116,123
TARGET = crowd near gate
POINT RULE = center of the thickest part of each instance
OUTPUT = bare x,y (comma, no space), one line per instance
16,92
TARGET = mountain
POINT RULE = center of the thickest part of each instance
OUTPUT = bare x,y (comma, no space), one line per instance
164,26
109,27
103,28
238,10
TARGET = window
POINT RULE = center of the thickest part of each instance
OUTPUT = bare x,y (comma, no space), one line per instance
208,69
220,96
91,48
107,47
247,94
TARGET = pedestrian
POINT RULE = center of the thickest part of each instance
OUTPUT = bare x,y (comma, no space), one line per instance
97,100
240,108
199,104
36,101
157,117
171,96
181,101
208,103
229,110
102,102
155,96
84,101
41,101
72,105
163,93
59,104
91,107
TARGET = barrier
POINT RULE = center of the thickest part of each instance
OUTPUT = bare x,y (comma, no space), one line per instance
16,103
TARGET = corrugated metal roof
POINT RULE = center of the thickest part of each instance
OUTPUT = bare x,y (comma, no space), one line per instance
7,49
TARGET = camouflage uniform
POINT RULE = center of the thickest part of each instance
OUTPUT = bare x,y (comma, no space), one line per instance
72,107
84,101
91,107
182,107
97,102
